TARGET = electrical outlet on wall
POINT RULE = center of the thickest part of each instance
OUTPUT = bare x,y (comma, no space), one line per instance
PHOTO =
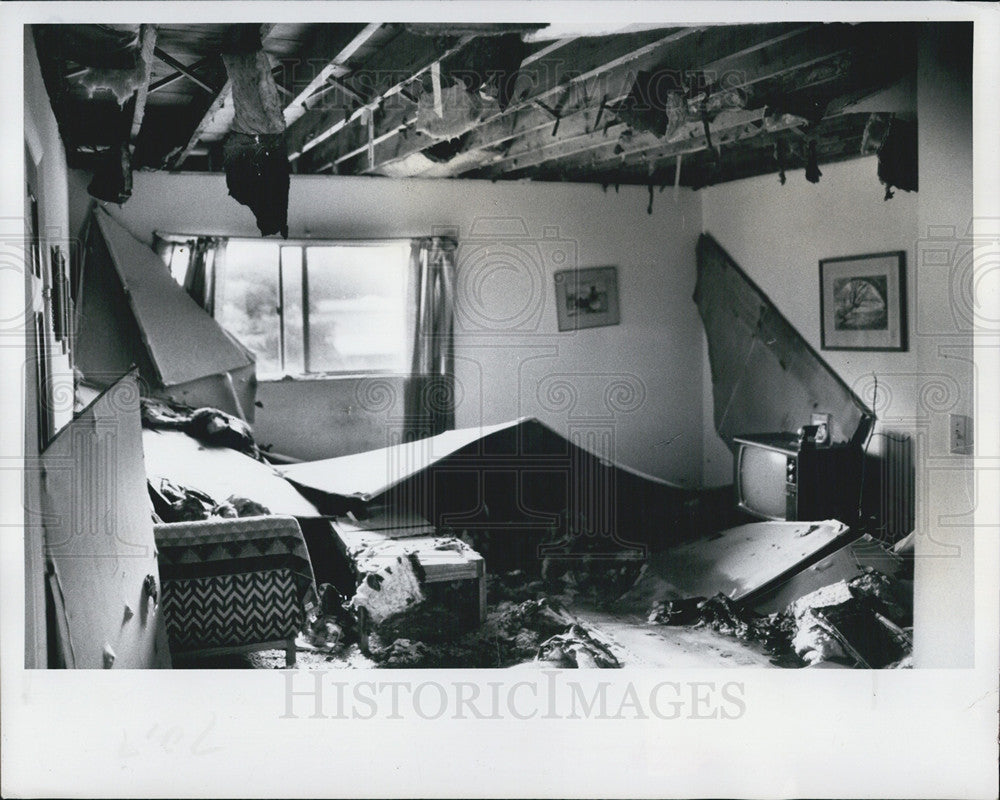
960,434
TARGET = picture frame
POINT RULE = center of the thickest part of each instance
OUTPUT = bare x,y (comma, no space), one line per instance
862,302
587,298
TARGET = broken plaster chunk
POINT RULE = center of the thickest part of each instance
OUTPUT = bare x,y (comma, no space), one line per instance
813,644
108,657
832,595
388,590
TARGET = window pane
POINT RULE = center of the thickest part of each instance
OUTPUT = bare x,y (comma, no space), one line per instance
357,307
180,256
249,301
291,290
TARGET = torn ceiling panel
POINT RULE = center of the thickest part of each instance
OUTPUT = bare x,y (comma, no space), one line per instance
765,376
544,102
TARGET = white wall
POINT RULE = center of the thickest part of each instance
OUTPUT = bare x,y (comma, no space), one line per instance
44,148
630,387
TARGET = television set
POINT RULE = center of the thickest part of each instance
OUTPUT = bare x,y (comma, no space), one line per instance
779,478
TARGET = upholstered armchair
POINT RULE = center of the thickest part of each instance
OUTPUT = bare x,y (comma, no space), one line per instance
234,585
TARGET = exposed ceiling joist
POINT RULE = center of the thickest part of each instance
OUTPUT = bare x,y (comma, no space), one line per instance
740,69
576,66
380,78
674,55
530,151
147,47
736,128
569,106
333,48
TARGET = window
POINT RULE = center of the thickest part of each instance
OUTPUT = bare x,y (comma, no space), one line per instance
318,307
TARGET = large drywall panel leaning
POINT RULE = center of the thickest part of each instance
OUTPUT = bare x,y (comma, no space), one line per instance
99,545
765,376
132,312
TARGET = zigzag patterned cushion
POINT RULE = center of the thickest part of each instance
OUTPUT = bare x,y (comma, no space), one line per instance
231,610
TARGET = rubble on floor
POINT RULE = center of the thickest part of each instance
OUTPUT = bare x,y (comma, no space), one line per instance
577,648
859,622
537,631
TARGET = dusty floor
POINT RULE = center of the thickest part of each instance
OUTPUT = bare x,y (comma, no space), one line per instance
640,644
633,641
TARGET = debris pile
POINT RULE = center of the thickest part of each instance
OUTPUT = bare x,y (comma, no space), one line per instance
388,587
577,648
208,425
535,630
328,624
175,503
859,622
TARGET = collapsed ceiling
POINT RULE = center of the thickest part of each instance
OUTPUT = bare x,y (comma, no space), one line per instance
649,106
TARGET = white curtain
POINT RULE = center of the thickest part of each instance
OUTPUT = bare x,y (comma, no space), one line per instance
430,390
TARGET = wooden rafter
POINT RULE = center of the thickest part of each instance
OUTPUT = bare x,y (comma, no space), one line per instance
529,151
730,50
577,63
333,52
162,83
739,68
350,100
384,75
652,152
147,45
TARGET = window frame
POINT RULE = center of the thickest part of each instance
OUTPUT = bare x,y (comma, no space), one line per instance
405,243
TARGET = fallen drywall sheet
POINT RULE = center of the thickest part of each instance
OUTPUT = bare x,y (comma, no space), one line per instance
99,537
765,376
133,312
736,562
520,477
219,472
367,475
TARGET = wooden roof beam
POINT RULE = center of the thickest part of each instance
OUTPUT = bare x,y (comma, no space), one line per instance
182,70
728,47
384,76
591,59
652,153
539,152
162,83
741,63
147,46
330,49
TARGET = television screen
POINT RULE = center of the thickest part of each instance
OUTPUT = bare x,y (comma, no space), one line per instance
761,481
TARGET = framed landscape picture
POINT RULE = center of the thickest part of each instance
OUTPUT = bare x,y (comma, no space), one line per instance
862,302
586,298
